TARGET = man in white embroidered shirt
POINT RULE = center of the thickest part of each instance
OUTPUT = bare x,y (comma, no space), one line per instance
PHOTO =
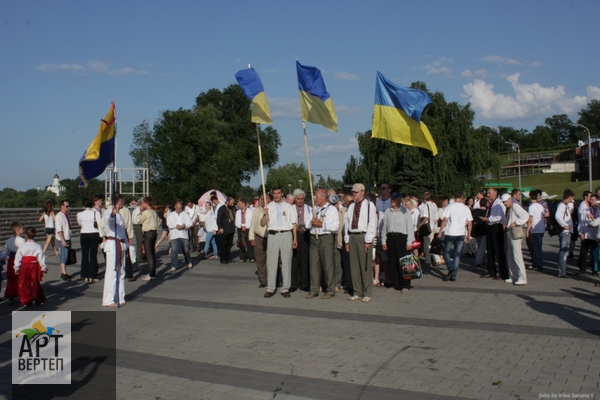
322,262
179,222
360,227
281,220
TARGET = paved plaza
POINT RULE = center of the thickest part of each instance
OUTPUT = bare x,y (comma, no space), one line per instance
208,333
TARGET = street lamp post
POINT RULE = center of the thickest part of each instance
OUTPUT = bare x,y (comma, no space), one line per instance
319,181
518,159
289,188
300,183
589,153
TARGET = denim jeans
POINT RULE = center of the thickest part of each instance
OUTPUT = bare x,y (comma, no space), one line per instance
536,250
63,252
565,239
177,246
452,256
211,239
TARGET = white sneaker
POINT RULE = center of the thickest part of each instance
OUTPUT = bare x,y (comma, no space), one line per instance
366,299
520,283
190,266
172,269
353,298
145,278
508,280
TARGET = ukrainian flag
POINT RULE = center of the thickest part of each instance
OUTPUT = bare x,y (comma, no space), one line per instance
317,106
397,115
253,88
101,151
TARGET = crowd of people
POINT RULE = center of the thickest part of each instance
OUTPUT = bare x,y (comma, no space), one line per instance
350,242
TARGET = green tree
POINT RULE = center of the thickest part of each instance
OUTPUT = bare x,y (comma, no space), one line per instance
212,145
289,176
590,117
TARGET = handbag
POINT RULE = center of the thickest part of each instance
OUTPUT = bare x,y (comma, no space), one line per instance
411,268
72,259
437,246
517,232
425,229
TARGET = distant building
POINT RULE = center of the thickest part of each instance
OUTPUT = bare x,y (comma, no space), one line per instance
56,187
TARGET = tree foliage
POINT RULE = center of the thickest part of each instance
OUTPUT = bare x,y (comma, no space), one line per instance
289,176
212,145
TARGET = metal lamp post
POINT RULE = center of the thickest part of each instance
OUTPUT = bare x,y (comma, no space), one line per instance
518,159
589,153
319,181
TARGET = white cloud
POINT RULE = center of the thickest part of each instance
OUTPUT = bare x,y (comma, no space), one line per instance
98,67
75,68
438,67
480,73
527,99
345,76
501,60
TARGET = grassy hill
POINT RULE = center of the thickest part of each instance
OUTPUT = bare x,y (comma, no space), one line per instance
554,183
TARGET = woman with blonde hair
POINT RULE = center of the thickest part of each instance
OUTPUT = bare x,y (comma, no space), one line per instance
48,218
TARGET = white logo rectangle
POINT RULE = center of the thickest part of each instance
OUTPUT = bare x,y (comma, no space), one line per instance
41,347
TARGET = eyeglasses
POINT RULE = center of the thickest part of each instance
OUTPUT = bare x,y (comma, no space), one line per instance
384,188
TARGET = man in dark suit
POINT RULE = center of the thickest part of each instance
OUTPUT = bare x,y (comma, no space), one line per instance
226,225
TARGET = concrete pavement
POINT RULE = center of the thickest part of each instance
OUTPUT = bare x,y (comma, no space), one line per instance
208,333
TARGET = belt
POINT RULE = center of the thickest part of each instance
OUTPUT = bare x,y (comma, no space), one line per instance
396,233
112,238
150,230
273,232
357,233
320,234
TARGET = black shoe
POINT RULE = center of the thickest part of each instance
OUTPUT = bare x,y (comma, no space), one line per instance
286,294
447,277
224,262
132,279
65,277
571,255
292,290
262,285
565,276
268,294
452,279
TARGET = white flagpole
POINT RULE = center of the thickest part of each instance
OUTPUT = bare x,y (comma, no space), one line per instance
310,182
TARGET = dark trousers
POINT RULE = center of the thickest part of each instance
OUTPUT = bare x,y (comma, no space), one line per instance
495,251
249,253
149,243
128,266
346,273
225,246
89,254
193,234
587,246
396,247
137,231
260,251
300,258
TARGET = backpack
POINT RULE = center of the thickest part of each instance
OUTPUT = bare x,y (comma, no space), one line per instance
552,225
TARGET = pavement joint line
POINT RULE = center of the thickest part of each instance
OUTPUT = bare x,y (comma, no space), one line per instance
277,383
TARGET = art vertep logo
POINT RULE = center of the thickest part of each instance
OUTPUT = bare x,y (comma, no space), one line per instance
41,353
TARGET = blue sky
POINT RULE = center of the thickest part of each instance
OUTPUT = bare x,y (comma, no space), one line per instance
516,62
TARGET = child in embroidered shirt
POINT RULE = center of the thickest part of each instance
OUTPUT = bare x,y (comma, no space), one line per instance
30,265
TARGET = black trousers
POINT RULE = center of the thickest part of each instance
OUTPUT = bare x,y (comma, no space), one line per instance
495,251
89,254
225,246
587,246
149,243
346,273
300,258
249,253
396,248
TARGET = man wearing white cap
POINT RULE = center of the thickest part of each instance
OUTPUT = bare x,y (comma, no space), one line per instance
515,227
359,230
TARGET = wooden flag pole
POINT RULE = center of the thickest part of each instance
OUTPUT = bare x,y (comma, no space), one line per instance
310,182
262,172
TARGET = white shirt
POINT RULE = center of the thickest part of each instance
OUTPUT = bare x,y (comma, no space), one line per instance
210,221
62,225
331,220
13,243
397,221
563,216
175,219
367,222
517,215
458,215
429,210
497,213
247,218
538,221
115,227
134,214
193,212
86,219
282,216
49,221
30,248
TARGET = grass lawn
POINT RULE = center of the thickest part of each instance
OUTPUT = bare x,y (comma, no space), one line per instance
554,183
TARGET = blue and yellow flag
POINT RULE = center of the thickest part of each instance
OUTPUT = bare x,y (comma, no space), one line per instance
317,106
397,115
101,151
253,88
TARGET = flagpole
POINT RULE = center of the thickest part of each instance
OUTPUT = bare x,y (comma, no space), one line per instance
114,201
369,201
262,172
310,182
